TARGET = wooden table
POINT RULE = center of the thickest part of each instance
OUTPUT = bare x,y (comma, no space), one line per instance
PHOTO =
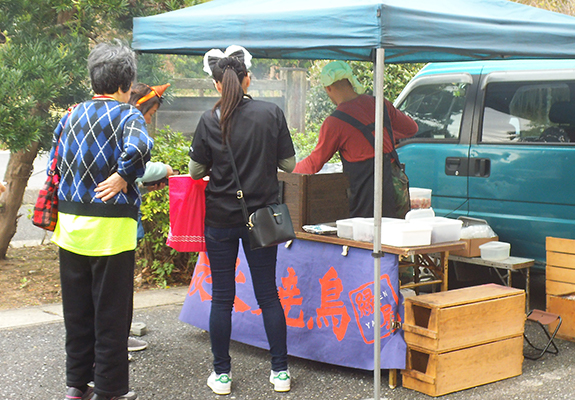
509,265
423,256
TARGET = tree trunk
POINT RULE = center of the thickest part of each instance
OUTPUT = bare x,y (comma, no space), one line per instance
18,172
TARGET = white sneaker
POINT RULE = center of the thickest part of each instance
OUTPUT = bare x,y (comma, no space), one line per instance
281,380
136,344
220,383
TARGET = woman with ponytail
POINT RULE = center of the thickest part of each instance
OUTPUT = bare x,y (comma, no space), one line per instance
259,138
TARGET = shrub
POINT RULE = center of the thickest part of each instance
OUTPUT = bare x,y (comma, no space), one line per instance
156,262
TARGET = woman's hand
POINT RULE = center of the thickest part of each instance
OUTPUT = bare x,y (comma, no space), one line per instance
163,183
111,187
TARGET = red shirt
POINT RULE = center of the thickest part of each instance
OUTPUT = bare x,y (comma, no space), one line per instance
336,135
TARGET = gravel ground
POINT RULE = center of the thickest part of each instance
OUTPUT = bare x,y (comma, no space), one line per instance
178,361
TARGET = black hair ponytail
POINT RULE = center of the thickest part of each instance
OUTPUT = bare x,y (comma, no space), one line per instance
230,72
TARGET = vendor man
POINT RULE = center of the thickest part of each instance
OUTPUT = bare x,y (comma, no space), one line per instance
357,153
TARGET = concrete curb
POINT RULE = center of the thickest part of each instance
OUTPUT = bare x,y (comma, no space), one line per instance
53,312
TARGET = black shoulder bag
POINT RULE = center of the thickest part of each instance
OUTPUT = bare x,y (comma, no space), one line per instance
267,226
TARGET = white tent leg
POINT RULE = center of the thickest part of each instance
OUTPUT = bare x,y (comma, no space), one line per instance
377,200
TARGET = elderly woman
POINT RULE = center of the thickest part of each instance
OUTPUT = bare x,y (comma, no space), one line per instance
103,146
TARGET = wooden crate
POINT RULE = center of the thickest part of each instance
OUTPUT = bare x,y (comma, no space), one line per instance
560,269
456,319
315,199
436,374
565,307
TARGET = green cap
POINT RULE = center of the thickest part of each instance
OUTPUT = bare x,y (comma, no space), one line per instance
338,70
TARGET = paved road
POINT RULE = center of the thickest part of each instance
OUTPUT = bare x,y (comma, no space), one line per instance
178,361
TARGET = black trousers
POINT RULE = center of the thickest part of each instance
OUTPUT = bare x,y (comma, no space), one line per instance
97,297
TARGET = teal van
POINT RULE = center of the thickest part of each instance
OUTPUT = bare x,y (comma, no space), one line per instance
496,141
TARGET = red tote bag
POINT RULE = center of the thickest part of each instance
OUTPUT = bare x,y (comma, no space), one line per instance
187,213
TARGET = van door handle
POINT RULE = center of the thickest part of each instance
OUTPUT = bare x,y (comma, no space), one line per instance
457,166
481,167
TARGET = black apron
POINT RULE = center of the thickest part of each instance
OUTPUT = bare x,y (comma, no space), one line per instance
361,173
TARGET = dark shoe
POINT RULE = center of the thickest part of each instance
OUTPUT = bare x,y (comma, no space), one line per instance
77,394
128,396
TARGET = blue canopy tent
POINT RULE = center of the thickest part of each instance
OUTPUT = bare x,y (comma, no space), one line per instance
409,30
396,31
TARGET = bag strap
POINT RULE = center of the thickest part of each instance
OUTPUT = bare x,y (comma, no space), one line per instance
55,159
239,193
367,130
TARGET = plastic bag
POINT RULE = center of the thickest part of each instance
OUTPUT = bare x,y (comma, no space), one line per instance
187,213
477,232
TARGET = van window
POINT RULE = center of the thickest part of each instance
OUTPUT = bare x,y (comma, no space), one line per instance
529,112
437,109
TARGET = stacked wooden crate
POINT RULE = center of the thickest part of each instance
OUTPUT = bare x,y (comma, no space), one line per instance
315,199
463,338
560,284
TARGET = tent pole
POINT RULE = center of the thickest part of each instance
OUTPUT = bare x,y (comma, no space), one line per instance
377,214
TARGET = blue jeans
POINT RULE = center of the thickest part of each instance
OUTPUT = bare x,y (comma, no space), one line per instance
222,245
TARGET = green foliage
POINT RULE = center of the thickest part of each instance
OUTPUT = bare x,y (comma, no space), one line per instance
41,73
43,64
560,6
186,66
156,261
318,104
305,142
397,76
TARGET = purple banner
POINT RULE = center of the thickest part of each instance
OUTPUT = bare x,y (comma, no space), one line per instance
328,300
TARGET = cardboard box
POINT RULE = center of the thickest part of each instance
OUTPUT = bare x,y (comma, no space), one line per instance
560,269
472,247
456,319
315,199
565,307
436,374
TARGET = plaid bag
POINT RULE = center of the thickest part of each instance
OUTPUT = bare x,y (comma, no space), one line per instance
46,207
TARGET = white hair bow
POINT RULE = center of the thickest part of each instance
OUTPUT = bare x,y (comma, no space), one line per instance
212,57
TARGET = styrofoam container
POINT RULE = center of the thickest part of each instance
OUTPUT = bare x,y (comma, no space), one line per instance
345,228
420,198
406,234
419,213
363,228
495,251
444,229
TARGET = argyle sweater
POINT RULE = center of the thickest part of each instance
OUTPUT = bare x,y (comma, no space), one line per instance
100,137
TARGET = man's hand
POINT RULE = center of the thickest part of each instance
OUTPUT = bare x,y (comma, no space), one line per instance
111,187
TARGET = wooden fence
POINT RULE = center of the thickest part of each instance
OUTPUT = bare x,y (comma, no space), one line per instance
192,97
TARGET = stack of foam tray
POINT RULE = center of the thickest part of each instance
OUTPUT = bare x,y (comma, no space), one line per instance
560,284
463,338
